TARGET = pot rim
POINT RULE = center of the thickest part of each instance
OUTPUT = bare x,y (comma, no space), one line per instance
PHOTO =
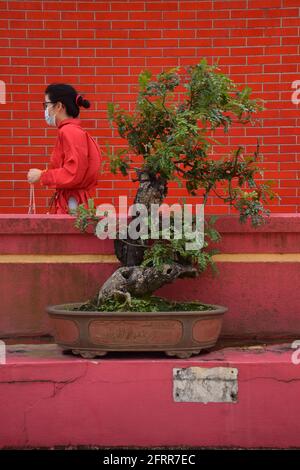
62,309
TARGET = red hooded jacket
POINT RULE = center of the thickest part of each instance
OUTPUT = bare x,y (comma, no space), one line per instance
74,165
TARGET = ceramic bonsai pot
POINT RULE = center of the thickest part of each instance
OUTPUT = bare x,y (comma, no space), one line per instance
93,333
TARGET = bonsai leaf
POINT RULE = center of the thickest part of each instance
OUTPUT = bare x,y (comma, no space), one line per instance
110,111
117,162
144,78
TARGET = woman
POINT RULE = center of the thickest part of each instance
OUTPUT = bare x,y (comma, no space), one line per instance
75,160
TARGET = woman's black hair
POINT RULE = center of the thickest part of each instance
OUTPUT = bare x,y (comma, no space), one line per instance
67,95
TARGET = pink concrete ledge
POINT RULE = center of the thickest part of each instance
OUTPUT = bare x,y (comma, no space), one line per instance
49,399
44,231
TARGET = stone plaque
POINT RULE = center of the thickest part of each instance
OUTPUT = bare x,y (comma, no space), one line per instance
205,385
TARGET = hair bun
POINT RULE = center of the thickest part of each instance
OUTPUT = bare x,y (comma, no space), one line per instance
80,101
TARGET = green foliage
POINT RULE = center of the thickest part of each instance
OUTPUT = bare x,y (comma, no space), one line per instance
150,303
117,162
174,249
85,217
174,136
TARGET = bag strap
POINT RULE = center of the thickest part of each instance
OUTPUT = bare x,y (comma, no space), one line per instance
31,207
53,197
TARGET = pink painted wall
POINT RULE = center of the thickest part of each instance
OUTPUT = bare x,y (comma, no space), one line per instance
263,298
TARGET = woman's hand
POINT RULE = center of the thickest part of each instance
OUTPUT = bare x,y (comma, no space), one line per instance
33,175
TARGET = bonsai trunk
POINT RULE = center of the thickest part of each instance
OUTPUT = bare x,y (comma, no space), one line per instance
131,278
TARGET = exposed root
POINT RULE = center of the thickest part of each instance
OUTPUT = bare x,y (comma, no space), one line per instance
139,281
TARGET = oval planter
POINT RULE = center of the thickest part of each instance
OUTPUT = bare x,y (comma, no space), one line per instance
92,333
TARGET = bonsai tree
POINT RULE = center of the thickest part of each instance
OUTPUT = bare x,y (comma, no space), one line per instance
171,130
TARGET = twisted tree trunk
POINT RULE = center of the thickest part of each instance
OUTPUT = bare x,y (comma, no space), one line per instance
139,281
151,190
131,278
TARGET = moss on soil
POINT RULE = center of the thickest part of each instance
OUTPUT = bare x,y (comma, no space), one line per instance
144,304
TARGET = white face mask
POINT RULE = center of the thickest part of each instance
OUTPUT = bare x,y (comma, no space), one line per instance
49,119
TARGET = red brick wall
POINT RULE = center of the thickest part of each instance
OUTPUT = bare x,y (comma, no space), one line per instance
101,46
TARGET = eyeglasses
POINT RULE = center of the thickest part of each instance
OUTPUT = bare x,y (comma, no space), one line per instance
45,103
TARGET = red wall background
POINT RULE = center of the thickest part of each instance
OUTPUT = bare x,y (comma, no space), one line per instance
100,47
